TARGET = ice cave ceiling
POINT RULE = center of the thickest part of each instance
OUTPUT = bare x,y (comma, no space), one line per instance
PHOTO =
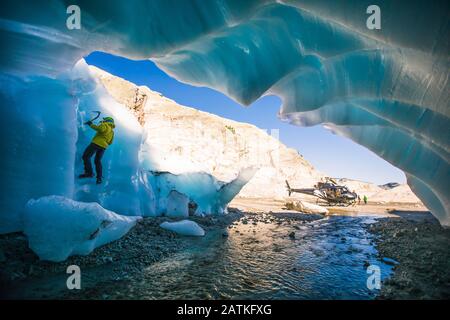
385,89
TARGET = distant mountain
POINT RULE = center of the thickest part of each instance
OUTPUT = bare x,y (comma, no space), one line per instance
181,138
400,193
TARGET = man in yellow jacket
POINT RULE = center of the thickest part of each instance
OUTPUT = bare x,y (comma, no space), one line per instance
102,140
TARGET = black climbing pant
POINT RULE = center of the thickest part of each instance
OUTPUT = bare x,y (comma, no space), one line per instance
87,155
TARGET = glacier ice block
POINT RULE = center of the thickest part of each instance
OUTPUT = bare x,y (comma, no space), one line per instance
184,228
58,227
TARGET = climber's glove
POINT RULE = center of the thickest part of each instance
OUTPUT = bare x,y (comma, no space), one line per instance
88,123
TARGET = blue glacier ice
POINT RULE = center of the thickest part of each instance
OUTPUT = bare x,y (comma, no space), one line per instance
121,190
205,192
47,137
58,227
387,89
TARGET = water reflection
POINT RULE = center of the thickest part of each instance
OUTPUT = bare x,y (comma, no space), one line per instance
259,259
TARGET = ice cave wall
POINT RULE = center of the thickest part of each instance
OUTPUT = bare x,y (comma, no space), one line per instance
37,142
385,89
45,137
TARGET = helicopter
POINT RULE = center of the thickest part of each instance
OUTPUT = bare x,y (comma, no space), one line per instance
329,192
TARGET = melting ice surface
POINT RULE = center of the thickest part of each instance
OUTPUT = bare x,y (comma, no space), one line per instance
385,89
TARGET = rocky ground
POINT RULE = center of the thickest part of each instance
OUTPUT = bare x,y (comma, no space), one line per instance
372,208
421,247
407,233
22,274
415,241
113,271
136,287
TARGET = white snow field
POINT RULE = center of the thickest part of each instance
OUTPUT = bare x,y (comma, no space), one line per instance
58,227
386,89
184,227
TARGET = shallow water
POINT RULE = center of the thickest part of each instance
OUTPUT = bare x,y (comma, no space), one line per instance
326,260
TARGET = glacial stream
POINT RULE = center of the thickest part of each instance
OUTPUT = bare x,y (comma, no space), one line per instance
328,259
264,256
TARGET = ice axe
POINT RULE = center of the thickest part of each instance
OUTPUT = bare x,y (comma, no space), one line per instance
94,118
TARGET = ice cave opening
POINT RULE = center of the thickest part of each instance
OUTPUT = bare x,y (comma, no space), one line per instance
387,91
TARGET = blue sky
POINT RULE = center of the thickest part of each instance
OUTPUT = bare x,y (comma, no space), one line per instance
329,153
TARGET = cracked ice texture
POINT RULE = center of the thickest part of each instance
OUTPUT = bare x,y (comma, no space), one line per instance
385,89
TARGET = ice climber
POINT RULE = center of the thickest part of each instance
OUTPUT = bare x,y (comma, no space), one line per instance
101,141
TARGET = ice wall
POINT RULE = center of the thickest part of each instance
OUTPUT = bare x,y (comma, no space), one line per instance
37,143
120,191
43,138
206,194
386,89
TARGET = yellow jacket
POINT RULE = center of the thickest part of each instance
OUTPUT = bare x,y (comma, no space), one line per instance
105,134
